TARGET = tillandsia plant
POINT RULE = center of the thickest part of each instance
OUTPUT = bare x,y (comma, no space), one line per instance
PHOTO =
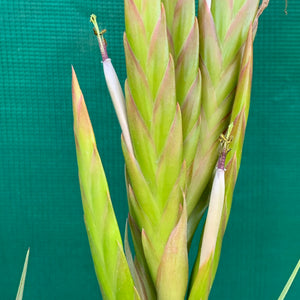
183,121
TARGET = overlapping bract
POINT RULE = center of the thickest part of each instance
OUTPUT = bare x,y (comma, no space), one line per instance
203,277
157,172
183,38
223,33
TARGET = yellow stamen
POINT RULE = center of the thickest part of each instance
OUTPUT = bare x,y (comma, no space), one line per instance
226,139
99,34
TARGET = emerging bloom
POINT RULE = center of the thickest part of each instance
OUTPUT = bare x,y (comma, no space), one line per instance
113,85
216,202
214,215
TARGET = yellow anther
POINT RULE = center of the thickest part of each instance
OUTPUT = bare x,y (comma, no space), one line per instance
226,139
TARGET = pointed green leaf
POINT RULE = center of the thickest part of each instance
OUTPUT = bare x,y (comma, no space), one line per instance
23,277
290,281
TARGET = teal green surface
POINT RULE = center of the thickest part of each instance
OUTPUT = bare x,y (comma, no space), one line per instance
40,204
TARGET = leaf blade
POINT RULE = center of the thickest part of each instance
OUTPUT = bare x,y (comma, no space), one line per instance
23,277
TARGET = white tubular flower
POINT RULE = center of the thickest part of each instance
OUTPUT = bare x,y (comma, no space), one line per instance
213,218
118,100
113,85
216,202
208,4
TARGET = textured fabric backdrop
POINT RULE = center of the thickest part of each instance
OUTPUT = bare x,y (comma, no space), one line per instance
40,204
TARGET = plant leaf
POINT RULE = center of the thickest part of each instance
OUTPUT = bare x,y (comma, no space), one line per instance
23,277
290,281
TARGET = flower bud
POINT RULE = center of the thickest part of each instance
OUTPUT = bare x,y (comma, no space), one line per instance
214,215
118,100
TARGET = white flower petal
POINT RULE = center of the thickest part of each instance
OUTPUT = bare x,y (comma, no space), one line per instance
118,100
209,4
213,218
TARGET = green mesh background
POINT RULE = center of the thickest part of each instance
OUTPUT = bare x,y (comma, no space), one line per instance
40,203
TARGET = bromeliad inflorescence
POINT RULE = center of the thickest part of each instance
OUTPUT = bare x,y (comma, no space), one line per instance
188,82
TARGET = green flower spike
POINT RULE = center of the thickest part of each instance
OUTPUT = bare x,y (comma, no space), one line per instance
157,171
223,34
187,79
203,275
